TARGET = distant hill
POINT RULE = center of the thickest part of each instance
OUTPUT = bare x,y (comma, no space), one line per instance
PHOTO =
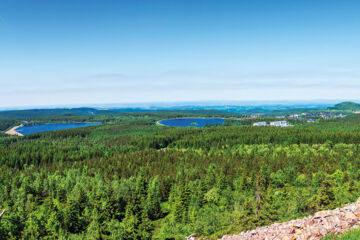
346,106
206,109
35,113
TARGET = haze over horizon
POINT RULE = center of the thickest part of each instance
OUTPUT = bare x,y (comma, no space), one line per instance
101,52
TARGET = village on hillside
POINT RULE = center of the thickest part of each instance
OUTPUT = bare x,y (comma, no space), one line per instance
305,117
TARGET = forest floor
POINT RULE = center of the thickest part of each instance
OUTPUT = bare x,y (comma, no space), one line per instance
313,227
13,131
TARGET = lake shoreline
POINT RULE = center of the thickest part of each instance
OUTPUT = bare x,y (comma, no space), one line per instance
22,130
159,123
13,131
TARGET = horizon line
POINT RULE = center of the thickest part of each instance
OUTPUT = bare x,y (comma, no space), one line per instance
204,103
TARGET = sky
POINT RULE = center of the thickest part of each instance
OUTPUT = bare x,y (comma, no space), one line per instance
63,52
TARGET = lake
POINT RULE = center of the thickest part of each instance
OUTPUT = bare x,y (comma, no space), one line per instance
191,122
26,130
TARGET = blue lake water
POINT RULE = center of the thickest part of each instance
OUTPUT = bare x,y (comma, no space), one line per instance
192,122
26,130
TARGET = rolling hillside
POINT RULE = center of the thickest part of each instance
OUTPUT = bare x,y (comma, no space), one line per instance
352,106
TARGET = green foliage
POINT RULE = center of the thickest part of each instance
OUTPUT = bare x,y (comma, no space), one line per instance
130,179
351,235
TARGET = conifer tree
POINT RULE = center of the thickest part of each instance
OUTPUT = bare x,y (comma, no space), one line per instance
221,183
82,200
95,227
110,204
153,200
72,217
130,224
325,198
211,176
55,221
185,201
201,193
178,210
145,227
269,208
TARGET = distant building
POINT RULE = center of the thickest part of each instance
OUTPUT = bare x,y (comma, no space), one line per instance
280,124
260,124
311,120
295,116
340,116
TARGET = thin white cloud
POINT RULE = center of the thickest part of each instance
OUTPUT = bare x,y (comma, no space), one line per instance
186,85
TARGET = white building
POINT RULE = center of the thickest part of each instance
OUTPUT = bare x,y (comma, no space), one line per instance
260,124
280,124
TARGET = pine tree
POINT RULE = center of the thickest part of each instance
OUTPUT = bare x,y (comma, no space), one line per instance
269,208
211,176
201,193
82,200
95,227
145,227
221,183
185,200
153,200
325,198
110,204
178,210
141,187
72,217
55,220
136,224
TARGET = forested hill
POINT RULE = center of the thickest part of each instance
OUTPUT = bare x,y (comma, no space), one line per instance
346,106
31,114
232,109
36,113
132,179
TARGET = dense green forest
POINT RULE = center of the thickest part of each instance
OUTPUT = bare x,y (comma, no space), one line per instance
133,179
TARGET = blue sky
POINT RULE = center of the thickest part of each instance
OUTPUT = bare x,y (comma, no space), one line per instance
63,52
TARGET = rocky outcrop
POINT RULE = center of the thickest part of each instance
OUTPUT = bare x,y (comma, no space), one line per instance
311,228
